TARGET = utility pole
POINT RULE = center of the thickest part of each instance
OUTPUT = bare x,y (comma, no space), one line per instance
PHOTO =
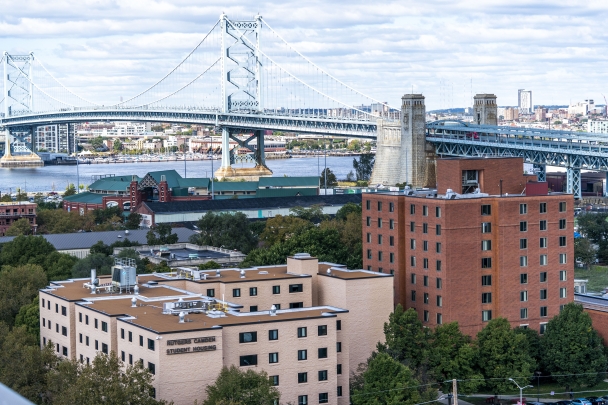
455,391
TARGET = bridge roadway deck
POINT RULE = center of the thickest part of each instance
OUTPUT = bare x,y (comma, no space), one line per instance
323,126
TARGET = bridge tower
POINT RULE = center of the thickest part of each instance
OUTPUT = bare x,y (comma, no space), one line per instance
486,110
402,154
241,89
18,98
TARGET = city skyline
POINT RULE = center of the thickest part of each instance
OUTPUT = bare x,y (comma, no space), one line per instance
449,52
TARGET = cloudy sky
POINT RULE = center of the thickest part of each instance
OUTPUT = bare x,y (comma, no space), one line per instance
445,49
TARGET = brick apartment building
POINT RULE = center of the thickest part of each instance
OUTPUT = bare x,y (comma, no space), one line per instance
487,243
11,212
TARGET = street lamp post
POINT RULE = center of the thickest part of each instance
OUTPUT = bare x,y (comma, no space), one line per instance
449,398
537,373
521,389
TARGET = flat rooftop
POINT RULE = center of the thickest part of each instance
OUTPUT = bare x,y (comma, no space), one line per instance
149,315
184,254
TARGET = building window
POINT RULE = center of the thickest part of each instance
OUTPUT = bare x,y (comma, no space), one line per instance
425,316
562,241
438,265
322,375
486,262
380,256
391,258
413,261
302,355
543,328
523,243
425,263
439,283
413,244
380,206
276,289
379,239
425,211
438,212
296,288
150,344
425,228
368,205
486,209
439,319
302,332
249,360
414,295
339,369
486,245
303,400
86,340
302,378
253,291
439,301
96,345
412,209
296,305
523,208
543,294
322,330
379,222
130,336
562,206
338,347
523,313
542,242
122,333
277,306
236,292
273,334
523,278
339,392
486,316
438,247
64,331
562,224
122,356
57,308
425,245
426,298
543,208
563,292
65,350
412,226
562,275
543,276
425,281
523,226
486,298
391,241
542,225
543,260
523,296
338,324
523,261
369,237
274,380
211,292
391,207
104,326
486,280
248,337
322,352
80,337
562,258
486,227
369,221
96,324
64,311
130,359
141,340
369,254
543,311
437,229
273,358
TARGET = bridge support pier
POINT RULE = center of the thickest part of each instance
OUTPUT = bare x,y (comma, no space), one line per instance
573,182
541,172
230,157
25,160
605,185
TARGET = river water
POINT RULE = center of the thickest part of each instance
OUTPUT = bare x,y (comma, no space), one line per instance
51,178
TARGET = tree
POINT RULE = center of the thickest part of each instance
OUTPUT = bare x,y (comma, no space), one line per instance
210,265
19,227
161,235
234,386
133,221
69,190
313,213
231,231
571,350
347,209
107,215
97,143
58,266
453,355
407,341
584,251
98,261
332,181
280,228
18,287
60,221
350,236
102,382
503,354
101,248
364,166
387,381
117,145
594,226
26,250
29,317
21,195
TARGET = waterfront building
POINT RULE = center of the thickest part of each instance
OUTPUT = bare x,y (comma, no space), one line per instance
597,126
11,212
307,324
487,243
58,138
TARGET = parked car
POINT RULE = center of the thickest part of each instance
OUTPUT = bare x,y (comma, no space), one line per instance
581,401
564,402
596,401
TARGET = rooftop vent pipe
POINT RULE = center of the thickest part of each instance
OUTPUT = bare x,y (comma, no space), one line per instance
133,302
182,315
273,310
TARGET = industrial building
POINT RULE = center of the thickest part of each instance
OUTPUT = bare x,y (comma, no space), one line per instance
307,324
487,243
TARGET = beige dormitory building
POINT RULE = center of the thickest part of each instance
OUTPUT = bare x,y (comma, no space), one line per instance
307,324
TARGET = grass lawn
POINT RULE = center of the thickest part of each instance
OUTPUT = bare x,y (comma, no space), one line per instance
597,276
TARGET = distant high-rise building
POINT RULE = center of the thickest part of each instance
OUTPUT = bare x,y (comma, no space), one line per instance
511,114
524,101
541,114
58,138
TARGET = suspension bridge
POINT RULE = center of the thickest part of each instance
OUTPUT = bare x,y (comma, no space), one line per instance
243,77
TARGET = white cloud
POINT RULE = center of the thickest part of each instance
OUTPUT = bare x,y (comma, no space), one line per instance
107,49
